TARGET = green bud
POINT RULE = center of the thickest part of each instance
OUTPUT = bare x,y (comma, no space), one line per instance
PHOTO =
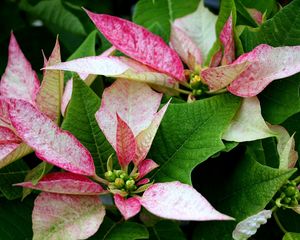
118,172
197,92
195,81
124,176
287,200
135,176
130,184
119,183
110,176
294,203
290,191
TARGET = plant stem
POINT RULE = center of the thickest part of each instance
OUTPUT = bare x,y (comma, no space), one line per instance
279,223
185,84
182,91
297,180
217,92
100,180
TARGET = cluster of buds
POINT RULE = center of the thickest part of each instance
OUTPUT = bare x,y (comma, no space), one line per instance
289,195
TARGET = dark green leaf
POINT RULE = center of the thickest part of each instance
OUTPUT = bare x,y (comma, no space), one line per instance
15,218
80,121
13,173
164,229
157,15
189,134
243,190
127,231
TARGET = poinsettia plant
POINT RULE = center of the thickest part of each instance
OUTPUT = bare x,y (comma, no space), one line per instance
171,126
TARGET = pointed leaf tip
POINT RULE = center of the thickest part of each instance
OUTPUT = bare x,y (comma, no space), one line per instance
138,43
19,80
174,200
51,144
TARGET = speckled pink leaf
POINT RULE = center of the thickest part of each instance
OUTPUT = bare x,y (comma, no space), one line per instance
5,150
267,64
49,96
144,138
8,136
126,144
142,73
51,144
227,40
145,167
185,47
219,77
216,58
59,216
136,103
12,152
65,183
128,207
99,65
138,43
174,200
4,116
19,80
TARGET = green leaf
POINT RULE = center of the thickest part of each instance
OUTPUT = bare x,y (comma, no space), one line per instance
161,13
55,16
35,175
80,121
15,218
270,6
127,231
291,236
86,48
13,173
245,188
281,99
189,134
164,229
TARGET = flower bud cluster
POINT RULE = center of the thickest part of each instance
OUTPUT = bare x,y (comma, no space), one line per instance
289,195
120,180
197,84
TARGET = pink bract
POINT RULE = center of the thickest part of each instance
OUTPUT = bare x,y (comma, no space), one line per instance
174,200
19,80
267,64
126,144
128,207
145,167
65,183
135,103
227,39
138,43
59,216
50,142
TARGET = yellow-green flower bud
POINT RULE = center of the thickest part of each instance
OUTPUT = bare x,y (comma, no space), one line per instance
124,176
119,183
110,176
290,191
118,172
130,184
